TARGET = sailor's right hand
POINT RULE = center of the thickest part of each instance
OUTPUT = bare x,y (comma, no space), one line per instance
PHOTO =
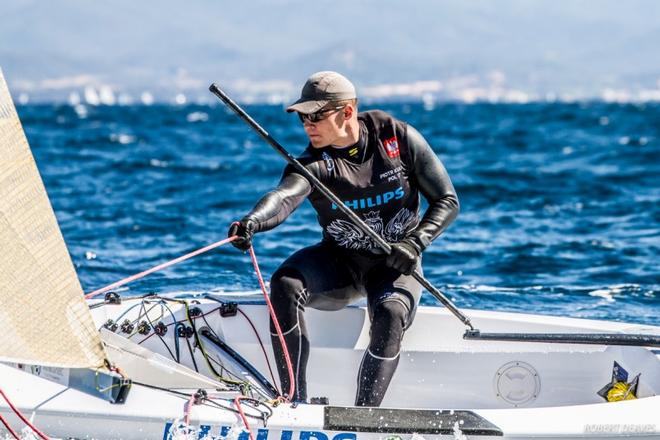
403,256
244,230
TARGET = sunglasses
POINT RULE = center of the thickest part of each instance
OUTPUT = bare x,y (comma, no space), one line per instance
319,115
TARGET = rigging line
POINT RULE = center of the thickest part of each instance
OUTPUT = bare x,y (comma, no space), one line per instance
276,323
211,402
188,409
247,368
215,334
171,323
123,313
140,304
97,305
159,337
118,318
218,362
263,415
143,309
263,348
255,404
156,387
199,343
177,349
164,304
229,373
97,385
176,341
9,428
159,267
221,364
252,389
22,417
190,350
209,326
237,402
146,313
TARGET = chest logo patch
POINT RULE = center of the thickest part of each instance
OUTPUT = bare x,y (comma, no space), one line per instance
329,164
348,235
392,147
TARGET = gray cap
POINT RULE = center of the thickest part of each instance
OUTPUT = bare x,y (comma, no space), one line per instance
320,89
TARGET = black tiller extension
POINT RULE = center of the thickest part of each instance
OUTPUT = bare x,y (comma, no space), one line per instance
638,340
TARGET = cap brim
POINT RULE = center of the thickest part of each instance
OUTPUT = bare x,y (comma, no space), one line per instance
306,107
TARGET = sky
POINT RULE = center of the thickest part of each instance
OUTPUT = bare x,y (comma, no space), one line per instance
264,50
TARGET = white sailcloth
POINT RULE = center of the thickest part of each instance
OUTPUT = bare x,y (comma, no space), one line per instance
43,317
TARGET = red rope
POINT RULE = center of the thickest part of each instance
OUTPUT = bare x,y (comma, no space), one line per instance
287,358
8,426
189,405
237,402
276,323
22,417
160,267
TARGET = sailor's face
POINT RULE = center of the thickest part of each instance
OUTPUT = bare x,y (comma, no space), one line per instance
326,131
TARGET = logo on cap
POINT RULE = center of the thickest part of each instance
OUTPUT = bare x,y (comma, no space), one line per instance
392,147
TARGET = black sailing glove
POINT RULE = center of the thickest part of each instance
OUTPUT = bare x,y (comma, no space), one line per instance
404,256
244,230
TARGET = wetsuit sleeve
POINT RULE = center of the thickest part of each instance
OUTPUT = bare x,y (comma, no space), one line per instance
434,184
274,207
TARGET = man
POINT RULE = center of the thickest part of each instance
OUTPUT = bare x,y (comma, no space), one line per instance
378,166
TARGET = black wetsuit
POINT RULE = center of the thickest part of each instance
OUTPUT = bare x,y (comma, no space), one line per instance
380,178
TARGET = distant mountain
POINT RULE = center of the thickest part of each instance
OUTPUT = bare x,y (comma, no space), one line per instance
50,49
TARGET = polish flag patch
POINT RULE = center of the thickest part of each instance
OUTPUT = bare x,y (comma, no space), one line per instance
392,147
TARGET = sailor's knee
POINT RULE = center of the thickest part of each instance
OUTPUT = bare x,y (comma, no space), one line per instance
286,284
387,328
391,314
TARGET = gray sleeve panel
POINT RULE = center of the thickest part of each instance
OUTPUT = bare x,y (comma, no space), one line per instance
274,207
433,182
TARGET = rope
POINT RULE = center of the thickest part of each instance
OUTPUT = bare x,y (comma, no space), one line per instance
287,358
182,258
188,409
159,267
237,402
22,417
261,344
9,428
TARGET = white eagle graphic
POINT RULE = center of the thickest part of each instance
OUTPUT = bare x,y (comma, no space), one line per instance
347,235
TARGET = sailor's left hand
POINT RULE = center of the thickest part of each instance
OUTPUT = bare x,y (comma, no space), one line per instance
403,257
243,230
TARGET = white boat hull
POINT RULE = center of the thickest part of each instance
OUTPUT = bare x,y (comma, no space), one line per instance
497,389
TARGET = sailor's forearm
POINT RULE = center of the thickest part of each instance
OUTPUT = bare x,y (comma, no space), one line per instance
435,185
436,219
274,207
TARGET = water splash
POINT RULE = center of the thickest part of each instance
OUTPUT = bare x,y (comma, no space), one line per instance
456,430
179,430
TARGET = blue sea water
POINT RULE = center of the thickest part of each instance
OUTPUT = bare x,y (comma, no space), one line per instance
560,203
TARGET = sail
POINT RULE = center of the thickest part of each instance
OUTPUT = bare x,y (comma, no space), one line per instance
43,317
